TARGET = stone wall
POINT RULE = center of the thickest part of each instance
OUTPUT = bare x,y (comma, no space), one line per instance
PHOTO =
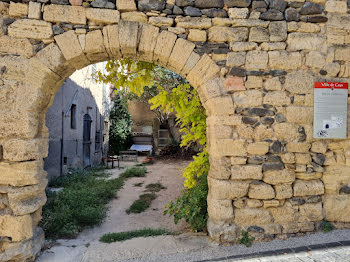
254,64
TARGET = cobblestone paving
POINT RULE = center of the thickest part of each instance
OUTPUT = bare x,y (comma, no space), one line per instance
336,254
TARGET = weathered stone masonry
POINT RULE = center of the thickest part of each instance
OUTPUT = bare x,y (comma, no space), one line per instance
254,64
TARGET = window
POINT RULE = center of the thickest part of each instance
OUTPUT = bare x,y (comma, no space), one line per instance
97,141
73,116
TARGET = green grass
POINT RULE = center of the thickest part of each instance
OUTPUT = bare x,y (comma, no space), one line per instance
122,236
82,202
156,187
326,226
141,204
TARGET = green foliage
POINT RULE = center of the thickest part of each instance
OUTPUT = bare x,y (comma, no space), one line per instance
141,204
191,205
120,126
82,202
122,236
326,226
245,239
136,171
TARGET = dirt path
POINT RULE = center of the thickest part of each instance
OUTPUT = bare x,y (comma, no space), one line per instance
87,246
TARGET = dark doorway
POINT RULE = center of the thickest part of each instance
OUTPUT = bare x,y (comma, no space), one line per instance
87,140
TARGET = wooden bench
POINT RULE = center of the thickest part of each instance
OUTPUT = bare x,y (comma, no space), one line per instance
129,155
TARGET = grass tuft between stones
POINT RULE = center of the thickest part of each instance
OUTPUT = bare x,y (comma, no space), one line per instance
141,204
82,201
122,236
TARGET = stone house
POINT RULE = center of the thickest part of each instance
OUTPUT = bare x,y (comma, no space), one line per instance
78,123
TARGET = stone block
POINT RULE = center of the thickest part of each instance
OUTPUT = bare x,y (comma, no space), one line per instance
234,83
305,41
278,31
254,203
261,191
225,189
276,177
65,14
238,13
26,200
102,16
135,16
283,191
300,82
315,60
148,41
165,43
283,60
252,216
94,48
15,46
254,82
203,71
128,37
336,208
193,22
191,62
71,49
22,173
259,148
298,147
126,5
235,59
18,228
308,188
256,60
249,98
227,34
259,35
288,158
25,150
300,115
34,10
179,55
276,98
246,172
29,28
229,147
242,46
18,9
197,35
271,203
285,214
342,53
311,212
220,210
273,46
111,41
336,6
161,21
319,147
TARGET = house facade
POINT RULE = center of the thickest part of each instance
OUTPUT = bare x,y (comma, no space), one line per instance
78,123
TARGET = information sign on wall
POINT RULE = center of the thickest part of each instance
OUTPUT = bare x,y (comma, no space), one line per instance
330,110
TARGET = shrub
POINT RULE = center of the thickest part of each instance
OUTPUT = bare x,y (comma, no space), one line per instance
191,205
245,239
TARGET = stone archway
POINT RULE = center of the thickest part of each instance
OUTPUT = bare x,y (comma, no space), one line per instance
254,66
43,74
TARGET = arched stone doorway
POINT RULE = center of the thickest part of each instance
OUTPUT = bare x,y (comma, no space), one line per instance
254,72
